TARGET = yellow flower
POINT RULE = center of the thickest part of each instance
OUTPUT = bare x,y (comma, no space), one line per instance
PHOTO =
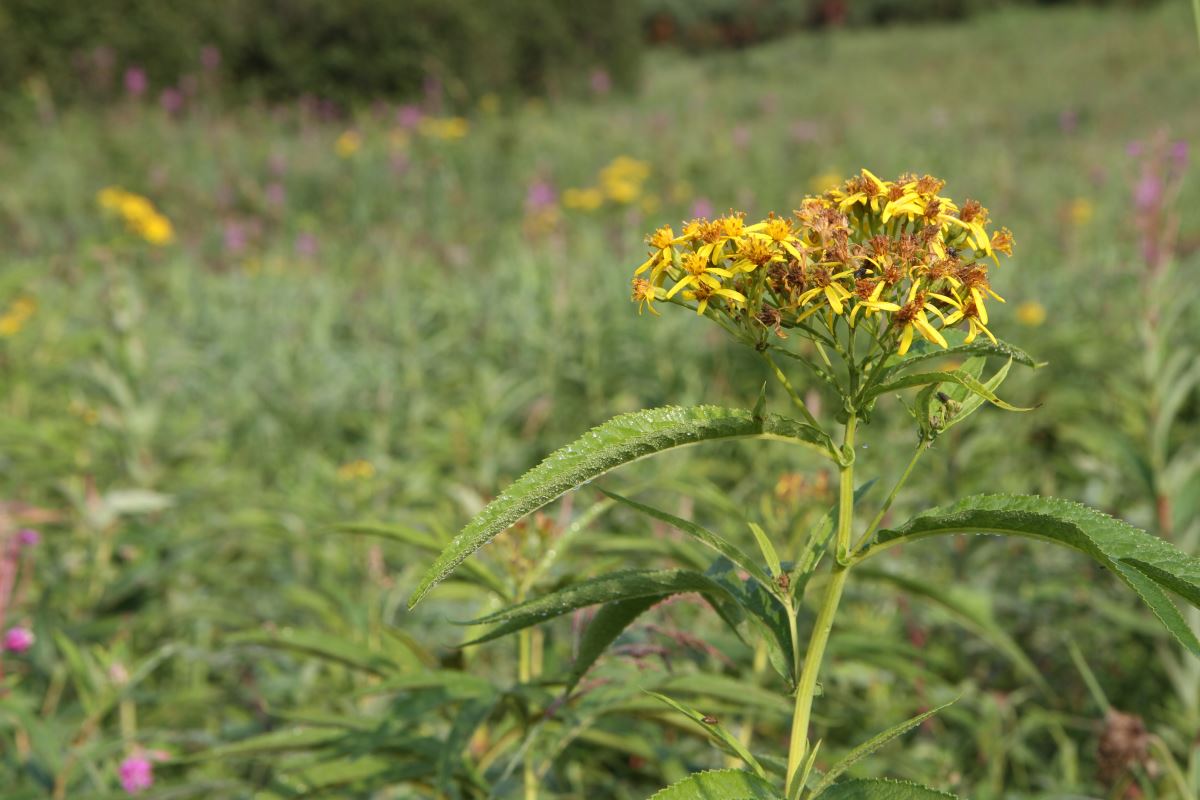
1031,313
356,470
826,288
135,208
156,229
644,294
698,277
970,309
349,143
911,317
445,128
823,182
662,252
583,199
18,313
1080,211
109,198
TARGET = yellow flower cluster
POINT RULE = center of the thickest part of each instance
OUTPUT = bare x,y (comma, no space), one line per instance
140,215
621,181
349,143
895,253
17,314
446,128
358,469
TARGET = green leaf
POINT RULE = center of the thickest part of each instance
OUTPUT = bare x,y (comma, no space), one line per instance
923,351
767,548
622,585
1147,564
319,644
619,441
714,728
281,741
883,789
870,746
719,784
705,536
925,378
750,604
605,627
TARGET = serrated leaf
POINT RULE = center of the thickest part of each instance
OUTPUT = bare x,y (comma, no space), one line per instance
603,630
704,536
623,585
719,784
883,789
619,441
1147,564
926,378
715,729
870,746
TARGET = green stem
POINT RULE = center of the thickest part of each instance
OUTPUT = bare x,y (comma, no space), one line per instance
866,537
525,676
798,747
796,401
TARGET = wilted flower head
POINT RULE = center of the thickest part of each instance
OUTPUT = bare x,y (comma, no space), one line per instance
18,639
892,254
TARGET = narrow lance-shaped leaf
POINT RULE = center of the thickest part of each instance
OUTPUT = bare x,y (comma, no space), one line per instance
621,440
705,536
925,378
622,585
868,747
714,728
1147,564
603,630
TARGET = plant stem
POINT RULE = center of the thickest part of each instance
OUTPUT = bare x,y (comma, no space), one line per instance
796,401
798,747
525,676
887,504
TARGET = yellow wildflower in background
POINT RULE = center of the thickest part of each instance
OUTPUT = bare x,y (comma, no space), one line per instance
358,469
139,214
583,199
17,314
823,182
622,179
445,128
1031,313
1080,211
349,143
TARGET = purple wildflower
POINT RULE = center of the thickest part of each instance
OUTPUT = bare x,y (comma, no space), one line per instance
137,774
135,81
18,639
28,537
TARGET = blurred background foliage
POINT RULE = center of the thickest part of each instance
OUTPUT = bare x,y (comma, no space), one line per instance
302,311
361,50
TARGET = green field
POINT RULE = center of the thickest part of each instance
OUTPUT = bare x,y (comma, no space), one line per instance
356,321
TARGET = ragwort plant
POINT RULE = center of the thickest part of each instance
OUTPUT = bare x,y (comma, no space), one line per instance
860,291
